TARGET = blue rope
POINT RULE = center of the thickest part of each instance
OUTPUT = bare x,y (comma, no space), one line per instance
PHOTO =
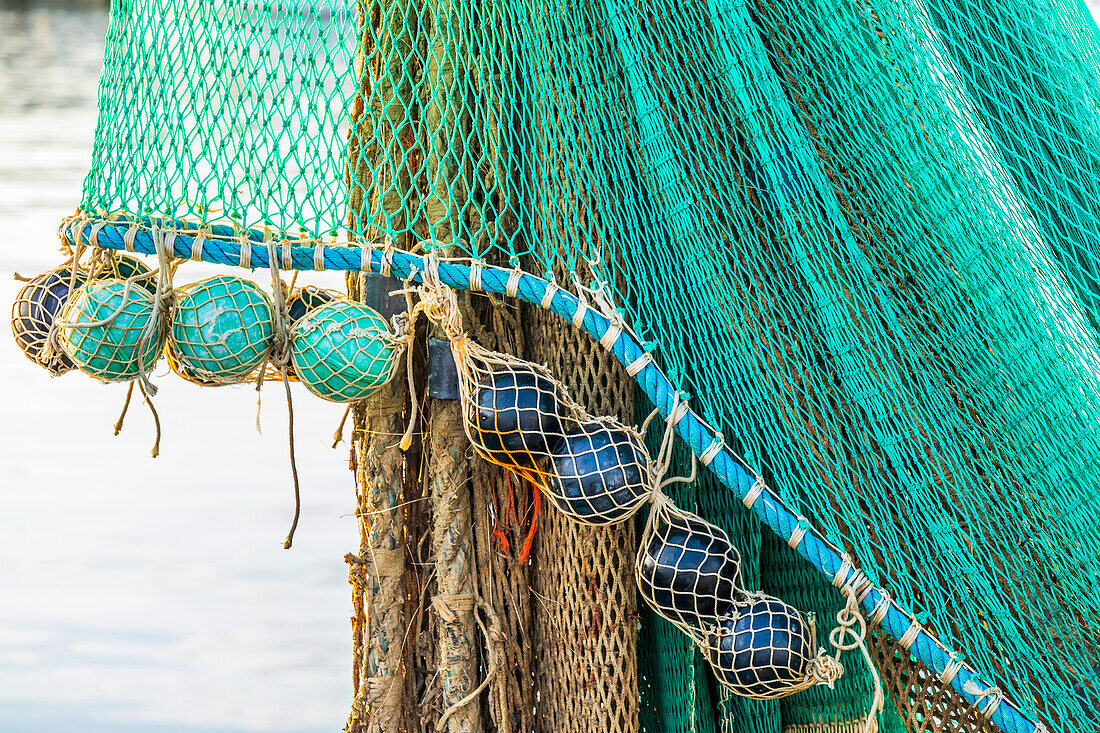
770,509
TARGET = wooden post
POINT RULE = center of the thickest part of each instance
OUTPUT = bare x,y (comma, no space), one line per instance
448,450
378,178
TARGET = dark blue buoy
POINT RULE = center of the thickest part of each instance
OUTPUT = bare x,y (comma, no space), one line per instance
599,473
761,648
689,571
126,266
518,414
303,300
33,314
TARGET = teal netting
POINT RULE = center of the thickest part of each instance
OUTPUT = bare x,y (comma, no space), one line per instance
863,235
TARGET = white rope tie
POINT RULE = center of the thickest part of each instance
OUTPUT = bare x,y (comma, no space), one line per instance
881,609
992,692
548,296
364,258
318,256
850,634
951,670
841,574
387,257
712,450
578,317
475,276
635,367
664,454
245,258
512,288
196,246
754,493
287,259
164,243
799,532
93,236
910,635
128,238
611,335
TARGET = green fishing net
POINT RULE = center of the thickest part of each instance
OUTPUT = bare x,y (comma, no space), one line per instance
862,235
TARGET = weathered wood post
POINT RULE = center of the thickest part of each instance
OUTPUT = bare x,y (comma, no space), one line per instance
378,179
448,452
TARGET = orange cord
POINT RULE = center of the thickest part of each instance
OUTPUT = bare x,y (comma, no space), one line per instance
509,512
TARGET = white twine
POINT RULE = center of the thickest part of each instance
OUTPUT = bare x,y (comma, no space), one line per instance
387,256
851,633
582,308
512,287
548,296
197,245
475,275
992,692
910,635
611,335
245,257
280,344
318,256
799,532
664,454
881,608
288,259
635,367
165,248
130,236
755,491
712,450
952,669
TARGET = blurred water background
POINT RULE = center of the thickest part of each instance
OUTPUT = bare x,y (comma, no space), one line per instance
139,594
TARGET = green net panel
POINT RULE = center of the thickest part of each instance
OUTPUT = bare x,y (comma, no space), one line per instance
863,237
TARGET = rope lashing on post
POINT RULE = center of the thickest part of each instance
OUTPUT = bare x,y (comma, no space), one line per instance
772,511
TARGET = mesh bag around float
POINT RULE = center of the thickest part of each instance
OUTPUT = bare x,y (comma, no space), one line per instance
343,351
594,470
763,648
222,330
302,300
34,317
112,330
687,569
124,267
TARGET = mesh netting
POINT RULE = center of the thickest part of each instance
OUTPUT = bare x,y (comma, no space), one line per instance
863,235
109,328
343,351
221,329
595,470
584,618
34,317
687,568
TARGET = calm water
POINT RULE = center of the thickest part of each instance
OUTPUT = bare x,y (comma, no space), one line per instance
140,594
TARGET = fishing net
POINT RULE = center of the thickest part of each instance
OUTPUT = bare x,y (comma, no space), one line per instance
222,329
862,236
595,470
111,330
587,659
34,318
343,351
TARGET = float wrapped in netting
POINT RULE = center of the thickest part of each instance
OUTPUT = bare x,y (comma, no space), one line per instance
860,235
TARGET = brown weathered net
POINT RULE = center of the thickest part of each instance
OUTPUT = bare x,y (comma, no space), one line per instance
585,616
